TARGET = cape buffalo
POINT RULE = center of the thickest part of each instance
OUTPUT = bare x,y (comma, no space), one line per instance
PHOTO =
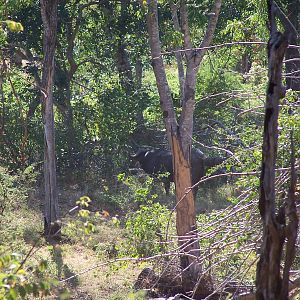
159,161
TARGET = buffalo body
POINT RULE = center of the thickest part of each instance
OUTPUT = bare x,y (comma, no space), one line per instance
159,161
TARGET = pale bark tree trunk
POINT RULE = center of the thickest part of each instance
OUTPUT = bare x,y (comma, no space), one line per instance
269,282
180,134
178,55
129,81
51,210
138,83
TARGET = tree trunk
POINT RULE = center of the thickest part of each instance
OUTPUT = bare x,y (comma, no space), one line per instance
72,146
178,55
130,82
164,91
185,210
51,210
63,103
269,283
65,95
180,135
138,83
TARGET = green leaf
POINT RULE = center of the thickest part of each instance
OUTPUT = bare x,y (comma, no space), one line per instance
14,26
12,294
43,266
83,201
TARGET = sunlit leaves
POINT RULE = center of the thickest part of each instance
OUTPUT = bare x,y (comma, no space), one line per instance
13,26
145,228
16,281
84,201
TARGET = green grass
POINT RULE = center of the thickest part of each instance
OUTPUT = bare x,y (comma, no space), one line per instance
79,261
77,252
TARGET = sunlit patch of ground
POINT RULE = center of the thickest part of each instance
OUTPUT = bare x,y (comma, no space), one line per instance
77,265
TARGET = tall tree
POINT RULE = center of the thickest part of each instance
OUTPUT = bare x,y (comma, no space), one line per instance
51,210
180,132
282,226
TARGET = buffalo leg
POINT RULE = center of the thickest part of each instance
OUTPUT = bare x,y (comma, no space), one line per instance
167,186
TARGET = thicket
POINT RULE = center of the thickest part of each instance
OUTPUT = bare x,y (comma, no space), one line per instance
100,120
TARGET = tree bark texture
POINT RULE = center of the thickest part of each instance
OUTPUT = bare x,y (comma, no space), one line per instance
269,282
122,59
292,65
185,211
64,75
51,210
180,135
178,55
291,229
166,100
193,61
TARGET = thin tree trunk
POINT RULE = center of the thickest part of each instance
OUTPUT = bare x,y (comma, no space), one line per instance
122,59
138,83
51,210
124,68
164,91
268,279
72,147
123,63
185,210
193,60
178,55
180,135
72,26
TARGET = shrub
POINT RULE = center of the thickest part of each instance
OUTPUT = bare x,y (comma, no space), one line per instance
14,188
145,229
16,282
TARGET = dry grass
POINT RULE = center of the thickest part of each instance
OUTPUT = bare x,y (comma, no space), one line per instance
75,253
101,283
67,260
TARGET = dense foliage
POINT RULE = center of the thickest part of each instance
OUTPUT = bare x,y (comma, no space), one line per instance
106,107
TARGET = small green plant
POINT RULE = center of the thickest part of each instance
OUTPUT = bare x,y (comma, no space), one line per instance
141,190
144,230
82,227
17,283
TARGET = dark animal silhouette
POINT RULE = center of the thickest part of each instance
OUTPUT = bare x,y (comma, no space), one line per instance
159,161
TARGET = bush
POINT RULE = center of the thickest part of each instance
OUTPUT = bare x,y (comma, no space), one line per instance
145,229
14,188
16,282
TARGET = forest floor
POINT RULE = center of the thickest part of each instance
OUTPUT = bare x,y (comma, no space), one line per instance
78,261
90,282
84,262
